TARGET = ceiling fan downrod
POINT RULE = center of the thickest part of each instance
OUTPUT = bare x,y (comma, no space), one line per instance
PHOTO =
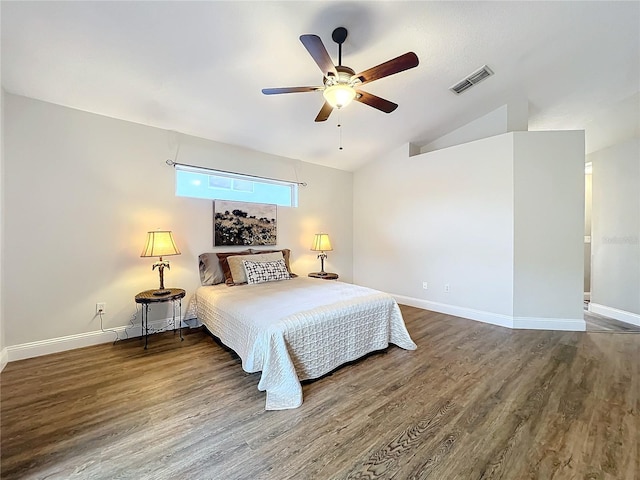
339,35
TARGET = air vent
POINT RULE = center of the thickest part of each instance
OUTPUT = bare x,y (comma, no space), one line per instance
471,80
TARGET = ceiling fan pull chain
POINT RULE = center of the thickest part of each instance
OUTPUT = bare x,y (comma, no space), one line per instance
340,128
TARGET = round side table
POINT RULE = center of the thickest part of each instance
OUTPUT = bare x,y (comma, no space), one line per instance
324,275
148,297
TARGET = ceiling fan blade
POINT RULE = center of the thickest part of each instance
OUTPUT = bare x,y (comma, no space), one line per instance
318,52
324,113
376,102
395,65
276,91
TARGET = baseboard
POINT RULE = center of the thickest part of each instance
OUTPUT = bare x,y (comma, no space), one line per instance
4,358
538,323
469,313
70,342
620,315
531,323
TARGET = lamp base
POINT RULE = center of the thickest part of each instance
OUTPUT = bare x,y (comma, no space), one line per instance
159,293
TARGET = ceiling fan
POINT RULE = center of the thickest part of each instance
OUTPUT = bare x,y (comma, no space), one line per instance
340,83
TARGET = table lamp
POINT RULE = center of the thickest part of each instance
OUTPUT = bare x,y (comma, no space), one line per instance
160,244
321,243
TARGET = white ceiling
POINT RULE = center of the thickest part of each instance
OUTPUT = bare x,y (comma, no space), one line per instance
199,67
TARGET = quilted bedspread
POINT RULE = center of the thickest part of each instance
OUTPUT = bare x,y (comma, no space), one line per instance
299,329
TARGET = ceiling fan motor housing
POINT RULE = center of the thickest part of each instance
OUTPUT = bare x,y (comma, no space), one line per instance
345,74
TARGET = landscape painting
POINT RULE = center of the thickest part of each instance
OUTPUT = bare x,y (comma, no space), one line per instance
240,223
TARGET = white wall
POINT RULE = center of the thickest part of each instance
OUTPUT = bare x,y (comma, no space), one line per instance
511,117
615,281
614,124
549,224
82,190
441,217
458,216
3,351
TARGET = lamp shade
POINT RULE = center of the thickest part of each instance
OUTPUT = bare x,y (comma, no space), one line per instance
321,243
339,95
159,244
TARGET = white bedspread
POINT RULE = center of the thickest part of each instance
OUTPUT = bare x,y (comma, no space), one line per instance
299,329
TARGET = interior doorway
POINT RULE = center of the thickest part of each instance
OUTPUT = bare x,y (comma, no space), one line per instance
596,323
587,233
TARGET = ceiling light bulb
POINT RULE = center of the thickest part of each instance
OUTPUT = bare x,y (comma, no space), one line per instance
339,95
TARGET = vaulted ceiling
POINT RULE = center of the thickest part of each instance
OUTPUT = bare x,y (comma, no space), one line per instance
199,67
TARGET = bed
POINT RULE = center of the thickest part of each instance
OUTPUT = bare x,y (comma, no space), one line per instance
299,329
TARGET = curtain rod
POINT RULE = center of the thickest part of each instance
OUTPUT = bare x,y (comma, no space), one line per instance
173,164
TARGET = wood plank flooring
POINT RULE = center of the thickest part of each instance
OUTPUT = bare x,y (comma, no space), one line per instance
602,324
474,401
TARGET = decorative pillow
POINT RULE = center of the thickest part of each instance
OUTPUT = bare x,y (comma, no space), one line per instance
238,274
224,264
210,271
261,272
286,253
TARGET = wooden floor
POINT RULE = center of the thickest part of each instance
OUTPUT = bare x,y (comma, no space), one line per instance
602,324
474,401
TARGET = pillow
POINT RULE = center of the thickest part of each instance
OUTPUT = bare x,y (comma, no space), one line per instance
224,264
210,271
261,272
286,253
238,274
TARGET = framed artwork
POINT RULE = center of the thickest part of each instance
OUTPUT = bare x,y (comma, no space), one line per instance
241,223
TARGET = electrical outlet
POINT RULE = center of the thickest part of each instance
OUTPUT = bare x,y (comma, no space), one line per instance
425,285
101,308
447,288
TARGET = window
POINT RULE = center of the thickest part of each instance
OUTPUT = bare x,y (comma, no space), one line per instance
217,185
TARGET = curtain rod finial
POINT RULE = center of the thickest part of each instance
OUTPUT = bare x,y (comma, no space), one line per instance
171,163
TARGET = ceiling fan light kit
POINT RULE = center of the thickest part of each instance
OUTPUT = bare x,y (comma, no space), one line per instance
339,95
341,83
